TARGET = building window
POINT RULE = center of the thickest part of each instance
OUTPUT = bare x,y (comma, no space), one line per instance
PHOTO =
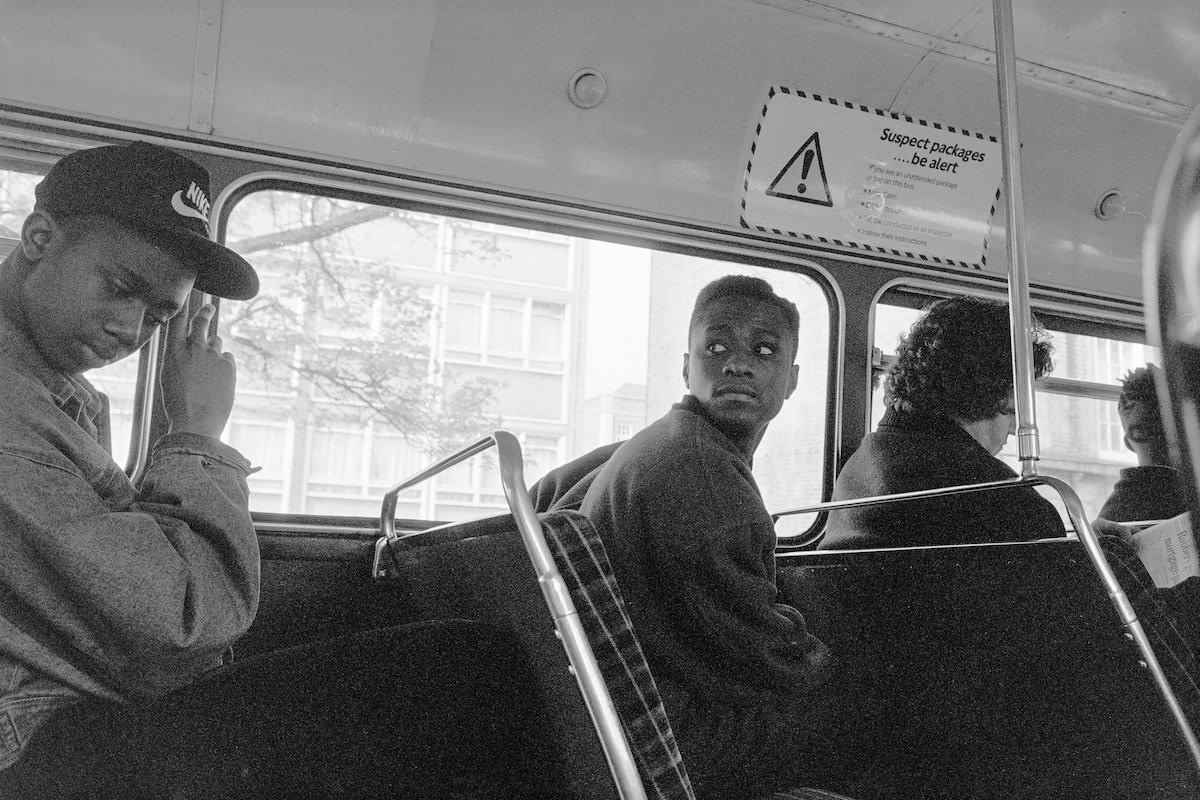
499,252
464,324
504,330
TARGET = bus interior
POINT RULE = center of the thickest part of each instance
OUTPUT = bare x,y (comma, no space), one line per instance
480,227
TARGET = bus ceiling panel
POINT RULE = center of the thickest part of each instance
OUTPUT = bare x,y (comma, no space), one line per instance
1142,53
475,93
444,100
346,79
1075,150
129,60
1074,154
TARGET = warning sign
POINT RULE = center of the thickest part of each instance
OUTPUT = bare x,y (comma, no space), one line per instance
796,180
854,176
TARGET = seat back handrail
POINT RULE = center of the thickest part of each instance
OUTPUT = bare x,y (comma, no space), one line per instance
1091,544
835,505
582,659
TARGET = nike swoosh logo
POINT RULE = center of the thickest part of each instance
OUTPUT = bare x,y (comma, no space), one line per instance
184,209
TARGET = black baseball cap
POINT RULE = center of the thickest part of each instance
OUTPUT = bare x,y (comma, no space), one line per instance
157,192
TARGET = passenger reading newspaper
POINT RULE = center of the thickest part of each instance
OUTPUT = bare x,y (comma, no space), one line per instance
1167,548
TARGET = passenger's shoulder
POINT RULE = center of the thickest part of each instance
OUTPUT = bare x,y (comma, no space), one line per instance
27,403
680,442
667,453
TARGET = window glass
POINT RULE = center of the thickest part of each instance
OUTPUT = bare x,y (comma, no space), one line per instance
464,323
493,251
16,201
506,328
545,334
1079,434
384,339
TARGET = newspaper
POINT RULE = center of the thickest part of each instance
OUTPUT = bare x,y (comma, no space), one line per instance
1168,549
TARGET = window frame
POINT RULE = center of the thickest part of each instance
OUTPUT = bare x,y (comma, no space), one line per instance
541,220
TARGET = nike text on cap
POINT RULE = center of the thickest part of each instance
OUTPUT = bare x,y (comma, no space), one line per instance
157,192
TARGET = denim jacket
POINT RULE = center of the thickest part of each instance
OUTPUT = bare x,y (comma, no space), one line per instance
106,589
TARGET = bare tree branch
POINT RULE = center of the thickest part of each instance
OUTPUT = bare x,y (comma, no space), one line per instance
306,234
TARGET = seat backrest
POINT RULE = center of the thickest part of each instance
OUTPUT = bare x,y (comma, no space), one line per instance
1008,670
1153,609
480,570
583,563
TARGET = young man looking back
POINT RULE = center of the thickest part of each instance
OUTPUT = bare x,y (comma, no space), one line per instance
693,548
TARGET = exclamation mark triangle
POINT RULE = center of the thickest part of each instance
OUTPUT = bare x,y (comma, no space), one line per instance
799,181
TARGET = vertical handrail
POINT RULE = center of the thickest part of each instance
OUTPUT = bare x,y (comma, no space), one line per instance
554,589
1020,315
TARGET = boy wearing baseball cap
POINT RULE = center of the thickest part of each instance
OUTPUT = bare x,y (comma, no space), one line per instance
108,590
119,602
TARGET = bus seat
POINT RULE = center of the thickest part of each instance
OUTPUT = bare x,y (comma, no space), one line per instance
476,570
1008,671
547,580
583,563
313,588
472,569
1174,650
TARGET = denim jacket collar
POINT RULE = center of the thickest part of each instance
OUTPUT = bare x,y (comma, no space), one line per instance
73,394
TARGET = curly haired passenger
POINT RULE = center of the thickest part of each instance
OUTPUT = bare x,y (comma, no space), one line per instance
950,410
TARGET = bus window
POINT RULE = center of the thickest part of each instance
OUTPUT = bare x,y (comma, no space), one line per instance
1079,433
384,338
16,201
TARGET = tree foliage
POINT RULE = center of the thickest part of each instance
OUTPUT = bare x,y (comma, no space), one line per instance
338,332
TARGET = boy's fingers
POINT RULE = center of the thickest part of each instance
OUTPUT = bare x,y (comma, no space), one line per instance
177,328
200,323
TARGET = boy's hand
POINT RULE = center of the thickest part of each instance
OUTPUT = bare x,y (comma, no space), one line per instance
198,378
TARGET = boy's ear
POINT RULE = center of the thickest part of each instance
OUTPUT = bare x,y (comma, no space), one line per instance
685,371
36,233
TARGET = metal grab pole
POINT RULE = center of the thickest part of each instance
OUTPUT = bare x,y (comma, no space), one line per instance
1020,317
